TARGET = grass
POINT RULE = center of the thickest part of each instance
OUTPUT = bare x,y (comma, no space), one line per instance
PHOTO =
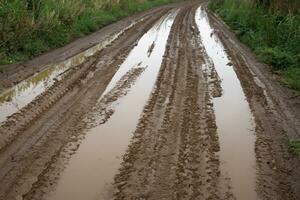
294,146
30,27
291,78
273,35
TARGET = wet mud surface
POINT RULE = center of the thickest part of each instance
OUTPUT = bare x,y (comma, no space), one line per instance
236,126
109,123
17,97
172,107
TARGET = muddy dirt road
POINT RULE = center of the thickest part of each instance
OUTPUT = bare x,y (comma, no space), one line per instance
166,104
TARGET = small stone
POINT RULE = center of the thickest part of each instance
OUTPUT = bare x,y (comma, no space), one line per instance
230,64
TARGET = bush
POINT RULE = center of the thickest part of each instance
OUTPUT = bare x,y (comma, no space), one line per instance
275,57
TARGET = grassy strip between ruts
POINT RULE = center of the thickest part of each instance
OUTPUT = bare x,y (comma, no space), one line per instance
31,27
273,35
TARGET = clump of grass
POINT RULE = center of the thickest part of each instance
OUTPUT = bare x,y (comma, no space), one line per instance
291,78
272,34
294,146
31,27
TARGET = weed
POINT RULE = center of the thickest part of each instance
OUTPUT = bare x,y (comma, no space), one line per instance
291,78
294,146
277,58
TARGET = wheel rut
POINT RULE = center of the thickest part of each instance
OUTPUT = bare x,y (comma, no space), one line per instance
173,153
34,136
154,115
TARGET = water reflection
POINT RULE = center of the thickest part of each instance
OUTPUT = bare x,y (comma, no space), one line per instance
23,93
99,156
233,117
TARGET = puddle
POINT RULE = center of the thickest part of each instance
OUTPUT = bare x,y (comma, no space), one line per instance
236,127
90,172
19,96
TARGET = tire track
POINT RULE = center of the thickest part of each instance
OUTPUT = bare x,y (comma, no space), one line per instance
173,154
276,119
96,142
104,109
35,136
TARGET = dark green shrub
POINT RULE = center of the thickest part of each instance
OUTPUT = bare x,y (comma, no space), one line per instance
273,56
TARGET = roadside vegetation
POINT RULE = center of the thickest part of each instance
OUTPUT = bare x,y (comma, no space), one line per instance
294,146
271,29
31,27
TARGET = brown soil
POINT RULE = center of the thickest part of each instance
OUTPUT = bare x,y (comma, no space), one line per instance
173,153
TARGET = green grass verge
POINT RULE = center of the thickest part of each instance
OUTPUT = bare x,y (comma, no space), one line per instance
294,146
273,36
31,27
291,78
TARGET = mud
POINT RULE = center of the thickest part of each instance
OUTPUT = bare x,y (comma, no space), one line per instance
276,116
17,97
109,131
156,114
235,122
173,153
35,136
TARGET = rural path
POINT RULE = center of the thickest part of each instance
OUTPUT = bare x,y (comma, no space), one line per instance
166,104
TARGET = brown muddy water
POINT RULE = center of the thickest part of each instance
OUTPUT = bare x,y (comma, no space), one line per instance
90,172
12,100
236,127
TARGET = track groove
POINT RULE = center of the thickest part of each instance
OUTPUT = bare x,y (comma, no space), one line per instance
173,152
276,117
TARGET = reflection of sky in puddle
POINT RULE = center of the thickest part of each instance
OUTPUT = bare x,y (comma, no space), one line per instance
23,93
98,157
233,117
139,56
